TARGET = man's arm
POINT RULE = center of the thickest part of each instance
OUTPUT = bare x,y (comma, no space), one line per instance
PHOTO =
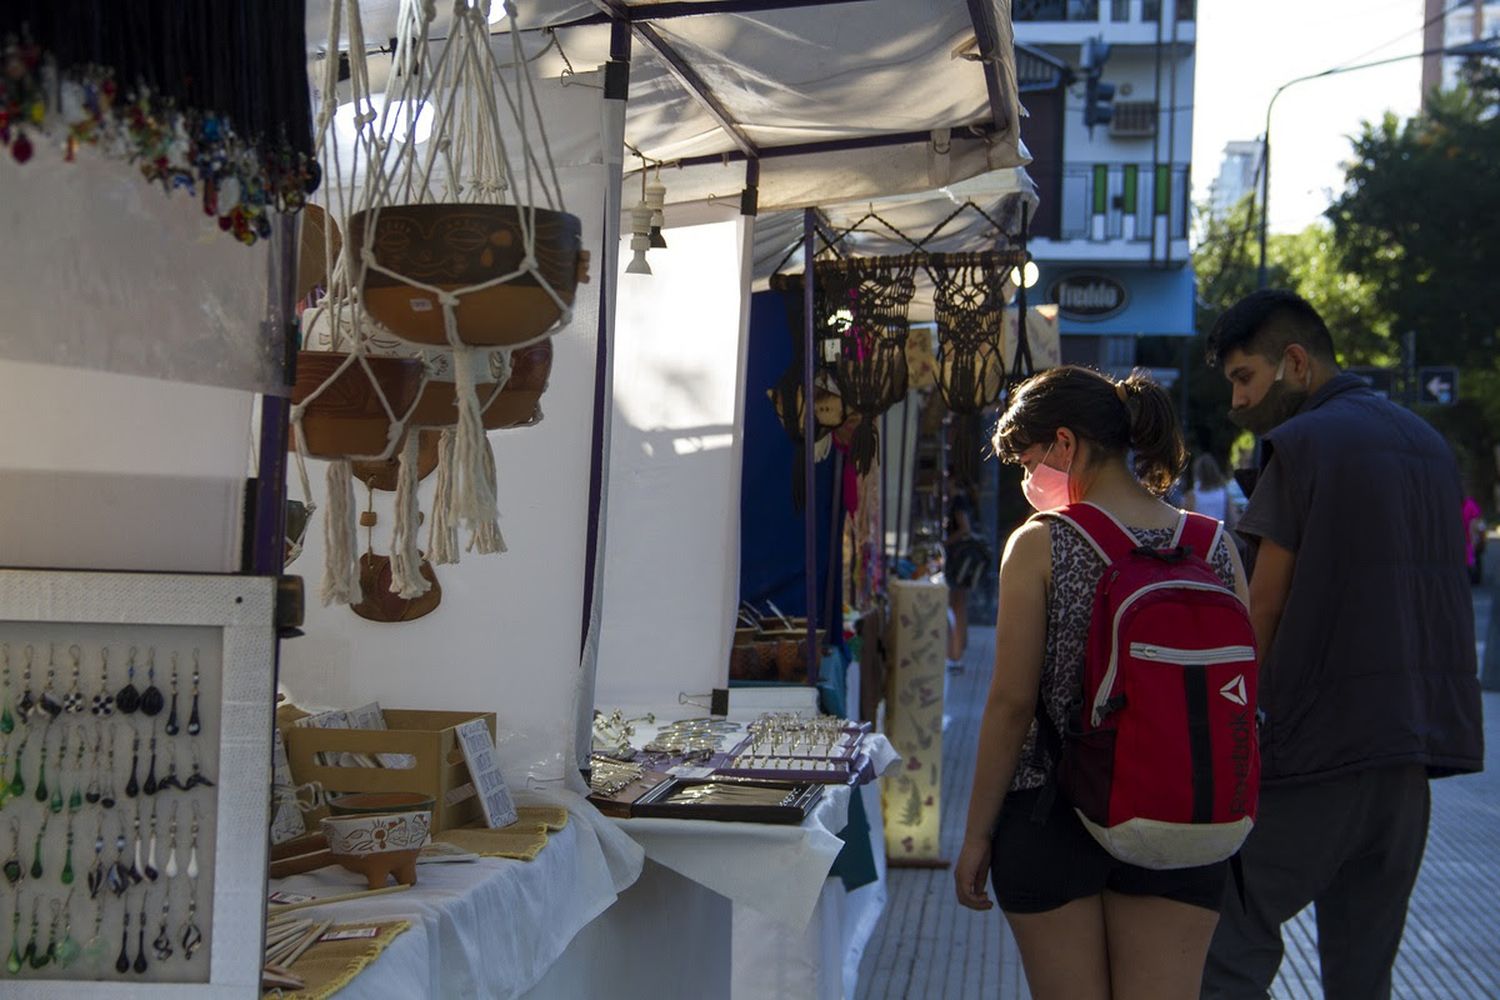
1269,588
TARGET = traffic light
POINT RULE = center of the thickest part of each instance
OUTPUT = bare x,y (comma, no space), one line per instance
1098,107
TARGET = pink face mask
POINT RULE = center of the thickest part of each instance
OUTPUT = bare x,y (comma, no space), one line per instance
1046,488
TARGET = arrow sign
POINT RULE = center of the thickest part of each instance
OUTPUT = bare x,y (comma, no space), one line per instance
1439,385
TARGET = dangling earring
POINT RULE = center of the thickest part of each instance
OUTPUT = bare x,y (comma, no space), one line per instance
13,870
7,721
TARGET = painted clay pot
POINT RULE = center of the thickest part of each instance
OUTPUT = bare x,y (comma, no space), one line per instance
378,604
380,845
382,474
347,420
456,246
376,803
519,403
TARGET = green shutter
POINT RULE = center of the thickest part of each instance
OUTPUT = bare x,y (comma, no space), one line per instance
1101,188
1132,185
1163,189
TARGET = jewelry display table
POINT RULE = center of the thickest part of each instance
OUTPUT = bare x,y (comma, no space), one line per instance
490,928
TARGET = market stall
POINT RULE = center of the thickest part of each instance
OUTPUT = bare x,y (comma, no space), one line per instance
503,521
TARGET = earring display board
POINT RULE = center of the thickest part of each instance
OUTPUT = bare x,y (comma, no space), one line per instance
135,749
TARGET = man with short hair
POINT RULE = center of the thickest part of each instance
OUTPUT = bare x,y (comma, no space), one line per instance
1368,679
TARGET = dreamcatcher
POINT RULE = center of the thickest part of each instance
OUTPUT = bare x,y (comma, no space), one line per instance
830,414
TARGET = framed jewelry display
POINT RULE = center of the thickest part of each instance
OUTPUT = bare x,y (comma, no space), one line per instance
135,750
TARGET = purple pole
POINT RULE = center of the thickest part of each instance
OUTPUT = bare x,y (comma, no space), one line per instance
809,428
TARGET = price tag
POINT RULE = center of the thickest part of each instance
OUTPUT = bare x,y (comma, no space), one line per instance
350,934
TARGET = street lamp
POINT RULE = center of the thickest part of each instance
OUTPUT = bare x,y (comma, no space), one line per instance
1489,47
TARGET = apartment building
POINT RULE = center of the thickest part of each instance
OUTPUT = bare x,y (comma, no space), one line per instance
1447,24
1111,236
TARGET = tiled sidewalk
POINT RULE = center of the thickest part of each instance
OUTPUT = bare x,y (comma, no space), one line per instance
928,947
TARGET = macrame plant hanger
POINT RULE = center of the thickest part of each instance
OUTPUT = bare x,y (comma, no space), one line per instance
445,262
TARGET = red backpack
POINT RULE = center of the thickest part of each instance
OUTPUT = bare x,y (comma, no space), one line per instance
1162,763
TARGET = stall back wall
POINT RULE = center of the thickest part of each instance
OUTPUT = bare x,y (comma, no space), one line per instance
772,550
505,638
671,565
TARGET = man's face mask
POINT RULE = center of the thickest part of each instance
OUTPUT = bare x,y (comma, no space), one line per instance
1280,403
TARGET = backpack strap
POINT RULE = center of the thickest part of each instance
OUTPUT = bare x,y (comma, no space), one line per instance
1198,532
1111,539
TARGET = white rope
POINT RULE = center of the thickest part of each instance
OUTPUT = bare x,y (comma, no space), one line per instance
473,498
340,538
407,580
442,537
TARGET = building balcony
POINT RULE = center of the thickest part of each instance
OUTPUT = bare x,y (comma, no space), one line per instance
1122,22
1121,211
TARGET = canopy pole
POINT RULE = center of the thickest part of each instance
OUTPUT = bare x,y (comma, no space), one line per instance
809,428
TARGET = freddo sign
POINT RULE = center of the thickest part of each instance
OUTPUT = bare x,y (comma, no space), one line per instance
1088,296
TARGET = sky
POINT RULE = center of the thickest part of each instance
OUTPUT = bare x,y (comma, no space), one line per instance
1247,48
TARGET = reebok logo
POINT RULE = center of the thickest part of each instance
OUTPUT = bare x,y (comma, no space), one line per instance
1234,691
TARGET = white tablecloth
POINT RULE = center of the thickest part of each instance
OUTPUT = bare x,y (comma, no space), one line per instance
487,929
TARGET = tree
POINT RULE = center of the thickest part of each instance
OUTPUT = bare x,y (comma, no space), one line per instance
1419,222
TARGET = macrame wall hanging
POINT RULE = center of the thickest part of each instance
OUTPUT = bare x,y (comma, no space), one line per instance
209,99
968,302
875,294
458,266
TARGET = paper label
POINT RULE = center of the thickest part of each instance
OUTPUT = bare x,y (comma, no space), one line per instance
479,752
458,793
350,934
281,896
421,305
683,771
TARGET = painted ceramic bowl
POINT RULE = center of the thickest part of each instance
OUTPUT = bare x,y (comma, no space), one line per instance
370,803
380,845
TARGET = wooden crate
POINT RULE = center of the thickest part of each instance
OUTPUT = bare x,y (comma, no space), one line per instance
429,737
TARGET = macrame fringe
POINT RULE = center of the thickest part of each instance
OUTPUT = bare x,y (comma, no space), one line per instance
473,497
407,580
442,537
340,538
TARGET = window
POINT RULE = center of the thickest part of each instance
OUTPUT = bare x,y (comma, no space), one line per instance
1133,119
1163,193
1101,188
1185,10
1055,10
1128,197
1119,10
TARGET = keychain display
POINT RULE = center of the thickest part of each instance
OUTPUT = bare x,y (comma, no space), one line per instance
102,830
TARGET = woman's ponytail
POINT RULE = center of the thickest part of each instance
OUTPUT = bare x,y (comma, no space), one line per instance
1155,438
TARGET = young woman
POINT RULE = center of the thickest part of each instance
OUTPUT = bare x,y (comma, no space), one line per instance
1088,926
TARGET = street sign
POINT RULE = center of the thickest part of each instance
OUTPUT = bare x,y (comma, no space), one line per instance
1382,380
1438,385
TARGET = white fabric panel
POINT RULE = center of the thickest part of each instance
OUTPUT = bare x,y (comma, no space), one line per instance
671,578
490,928
104,471
105,271
789,77
507,635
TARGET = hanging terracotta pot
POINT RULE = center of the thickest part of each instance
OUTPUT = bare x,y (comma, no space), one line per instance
458,246
381,474
347,419
378,604
519,403
312,262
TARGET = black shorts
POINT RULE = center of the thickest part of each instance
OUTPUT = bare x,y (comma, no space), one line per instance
1036,867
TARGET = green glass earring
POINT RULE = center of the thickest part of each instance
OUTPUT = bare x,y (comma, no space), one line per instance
18,783
12,868
67,872
13,961
35,957
67,948
36,861
41,774
7,721
75,801
56,804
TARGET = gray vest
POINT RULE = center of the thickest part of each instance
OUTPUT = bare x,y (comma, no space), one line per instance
1373,663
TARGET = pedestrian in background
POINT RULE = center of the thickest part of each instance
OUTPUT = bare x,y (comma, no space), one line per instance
1474,529
1087,924
1210,492
1360,601
966,561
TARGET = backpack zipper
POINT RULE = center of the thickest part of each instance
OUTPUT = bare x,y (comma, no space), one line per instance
1096,714
1192,657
